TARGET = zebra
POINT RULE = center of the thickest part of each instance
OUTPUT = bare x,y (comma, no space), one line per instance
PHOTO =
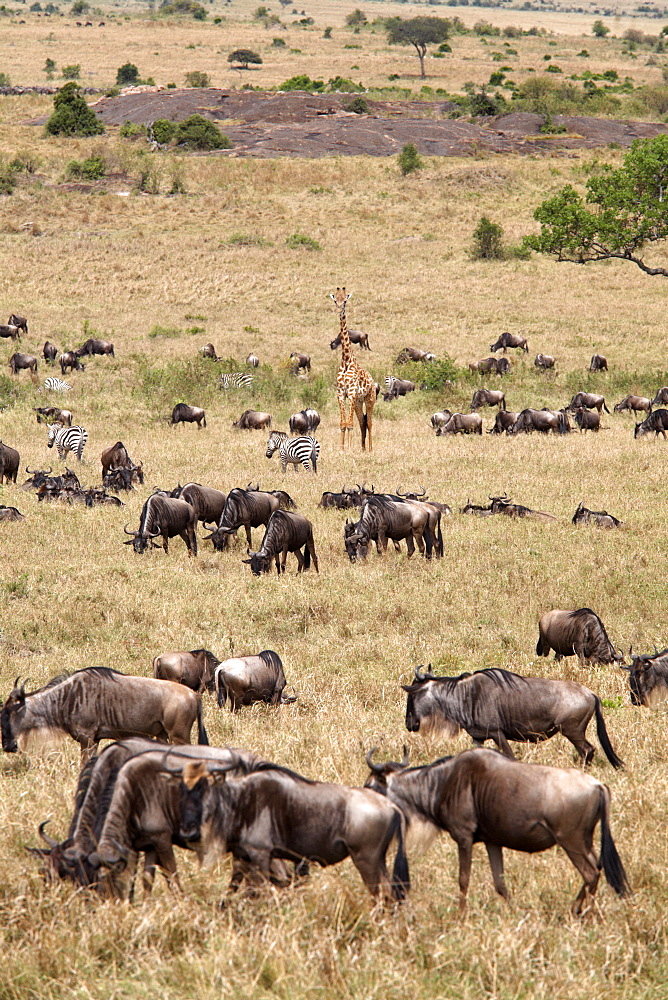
67,439
236,380
56,384
294,450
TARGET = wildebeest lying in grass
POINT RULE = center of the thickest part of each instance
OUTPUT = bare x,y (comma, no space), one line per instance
286,532
481,796
495,704
657,422
195,669
413,354
576,633
247,679
53,414
600,518
503,505
10,514
648,678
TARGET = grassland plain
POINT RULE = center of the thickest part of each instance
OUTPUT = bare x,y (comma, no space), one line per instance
72,596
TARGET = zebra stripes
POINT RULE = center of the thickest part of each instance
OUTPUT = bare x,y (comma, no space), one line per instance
236,380
67,439
56,384
296,451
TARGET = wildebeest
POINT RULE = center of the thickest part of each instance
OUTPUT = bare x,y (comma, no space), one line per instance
600,518
661,396
10,331
253,420
116,457
397,387
587,420
461,423
504,505
285,532
477,510
275,813
19,362
386,517
184,414
9,463
488,397
95,346
253,361
590,400
207,503
544,361
634,404
49,352
343,500
53,414
440,418
356,337
507,340
542,421
208,351
300,361
68,359
304,422
500,366
648,678
481,796
505,419
195,669
575,633
657,422
166,517
247,679
247,508
495,704
413,354
20,322
598,363
10,514
99,703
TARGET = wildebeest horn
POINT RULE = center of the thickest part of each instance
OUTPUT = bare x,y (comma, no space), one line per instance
45,837
376,768
427,676
400,494
288,699
423,492
125,529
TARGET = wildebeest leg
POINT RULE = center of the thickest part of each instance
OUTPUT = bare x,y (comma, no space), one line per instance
284,558
465,856
277,560
374,872
167,862
148,874
587,864
410,546
582,745
495,855
248,534
311,547
381,542
300,560
502,743
420,541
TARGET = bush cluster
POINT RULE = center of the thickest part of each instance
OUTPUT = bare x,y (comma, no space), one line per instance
71,115
90,169
195,132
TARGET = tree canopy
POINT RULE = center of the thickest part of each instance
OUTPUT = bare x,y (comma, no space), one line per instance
624,209
418,31
71,115
244,57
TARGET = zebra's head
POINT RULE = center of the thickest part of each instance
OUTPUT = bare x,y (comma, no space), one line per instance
53,431
275,441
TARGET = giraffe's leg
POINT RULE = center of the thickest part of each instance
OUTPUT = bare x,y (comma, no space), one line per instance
370,403
342,422
359,413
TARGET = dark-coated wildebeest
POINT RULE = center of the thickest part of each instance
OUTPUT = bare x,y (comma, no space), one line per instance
195,669
543,421
253,420
587,420
481,796
166,517
275,813
386,517
253,361
578,633
243,508
397,387
500,366
590,400
304,422
10,331
657,422
286,532
413,354
355,337
440,418
300,361
598,363
23,362
207,503
49,352
504,505
507,340
20,322
247,679
116,457
9,463
600,518
99,703
344,500
53,414
95,346
635,404
208,351
648,678
505,419
488,397
68,359
477,510
461,423
495,704
544,361
661,397
10,514
184,414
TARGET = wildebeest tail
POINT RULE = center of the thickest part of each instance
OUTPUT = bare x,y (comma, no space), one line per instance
307,557
202,737
604,739
563,423
439,540
539,647
401,880
610,859
605,407
221,688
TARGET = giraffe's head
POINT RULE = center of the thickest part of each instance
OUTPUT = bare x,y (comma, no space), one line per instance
340,297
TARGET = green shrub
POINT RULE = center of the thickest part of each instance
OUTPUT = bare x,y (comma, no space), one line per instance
71,115
90,169
129,130
303,82
409,159
327,33
356,18
487,241
358,104
343,85
7,178
197,132
433,374
164,331
190,7
162,131
50,68
72,72
278,43
25,161
299,240
196,78
246,240
80,7
485,28
127,74
4,80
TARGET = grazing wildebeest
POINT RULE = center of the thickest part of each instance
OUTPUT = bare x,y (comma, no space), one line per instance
285,532
587,420
542,421
116,457
68,359
590,400
207,503
19,362
49,352
440,418
500,366
275,813
575,633
481,796
657,422
495,704
184,414
253,420
413,354
53,414
505,419
194,669
247,679
634,404
10,331
208,351
300,361
598,363
386,517
600,518
507,340
20,322
461,423
488,397
304,422
253,361
503,505
247,508
397,387
166,517
661,396
648,678
99,703
9,463
95,346
544,361
356,337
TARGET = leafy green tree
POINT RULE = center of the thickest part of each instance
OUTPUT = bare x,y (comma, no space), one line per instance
197,132
244,57
80,7
356,19
50,68
624,209
419,32
71,114
72,72
127,74
600,29
487,241
409,159
197,78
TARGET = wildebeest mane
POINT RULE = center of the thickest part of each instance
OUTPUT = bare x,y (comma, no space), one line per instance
59,679
498,676
267,765
271,659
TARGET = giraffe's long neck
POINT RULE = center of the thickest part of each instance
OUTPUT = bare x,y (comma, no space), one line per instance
347,355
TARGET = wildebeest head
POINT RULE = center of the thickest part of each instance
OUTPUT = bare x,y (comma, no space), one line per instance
647,678
258,563
140,539
379,772
12,708
356,541
419,702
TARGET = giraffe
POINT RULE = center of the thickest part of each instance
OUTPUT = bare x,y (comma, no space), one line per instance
355,389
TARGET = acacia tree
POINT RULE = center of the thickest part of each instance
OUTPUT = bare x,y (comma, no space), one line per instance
623,210
244,57
417,31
